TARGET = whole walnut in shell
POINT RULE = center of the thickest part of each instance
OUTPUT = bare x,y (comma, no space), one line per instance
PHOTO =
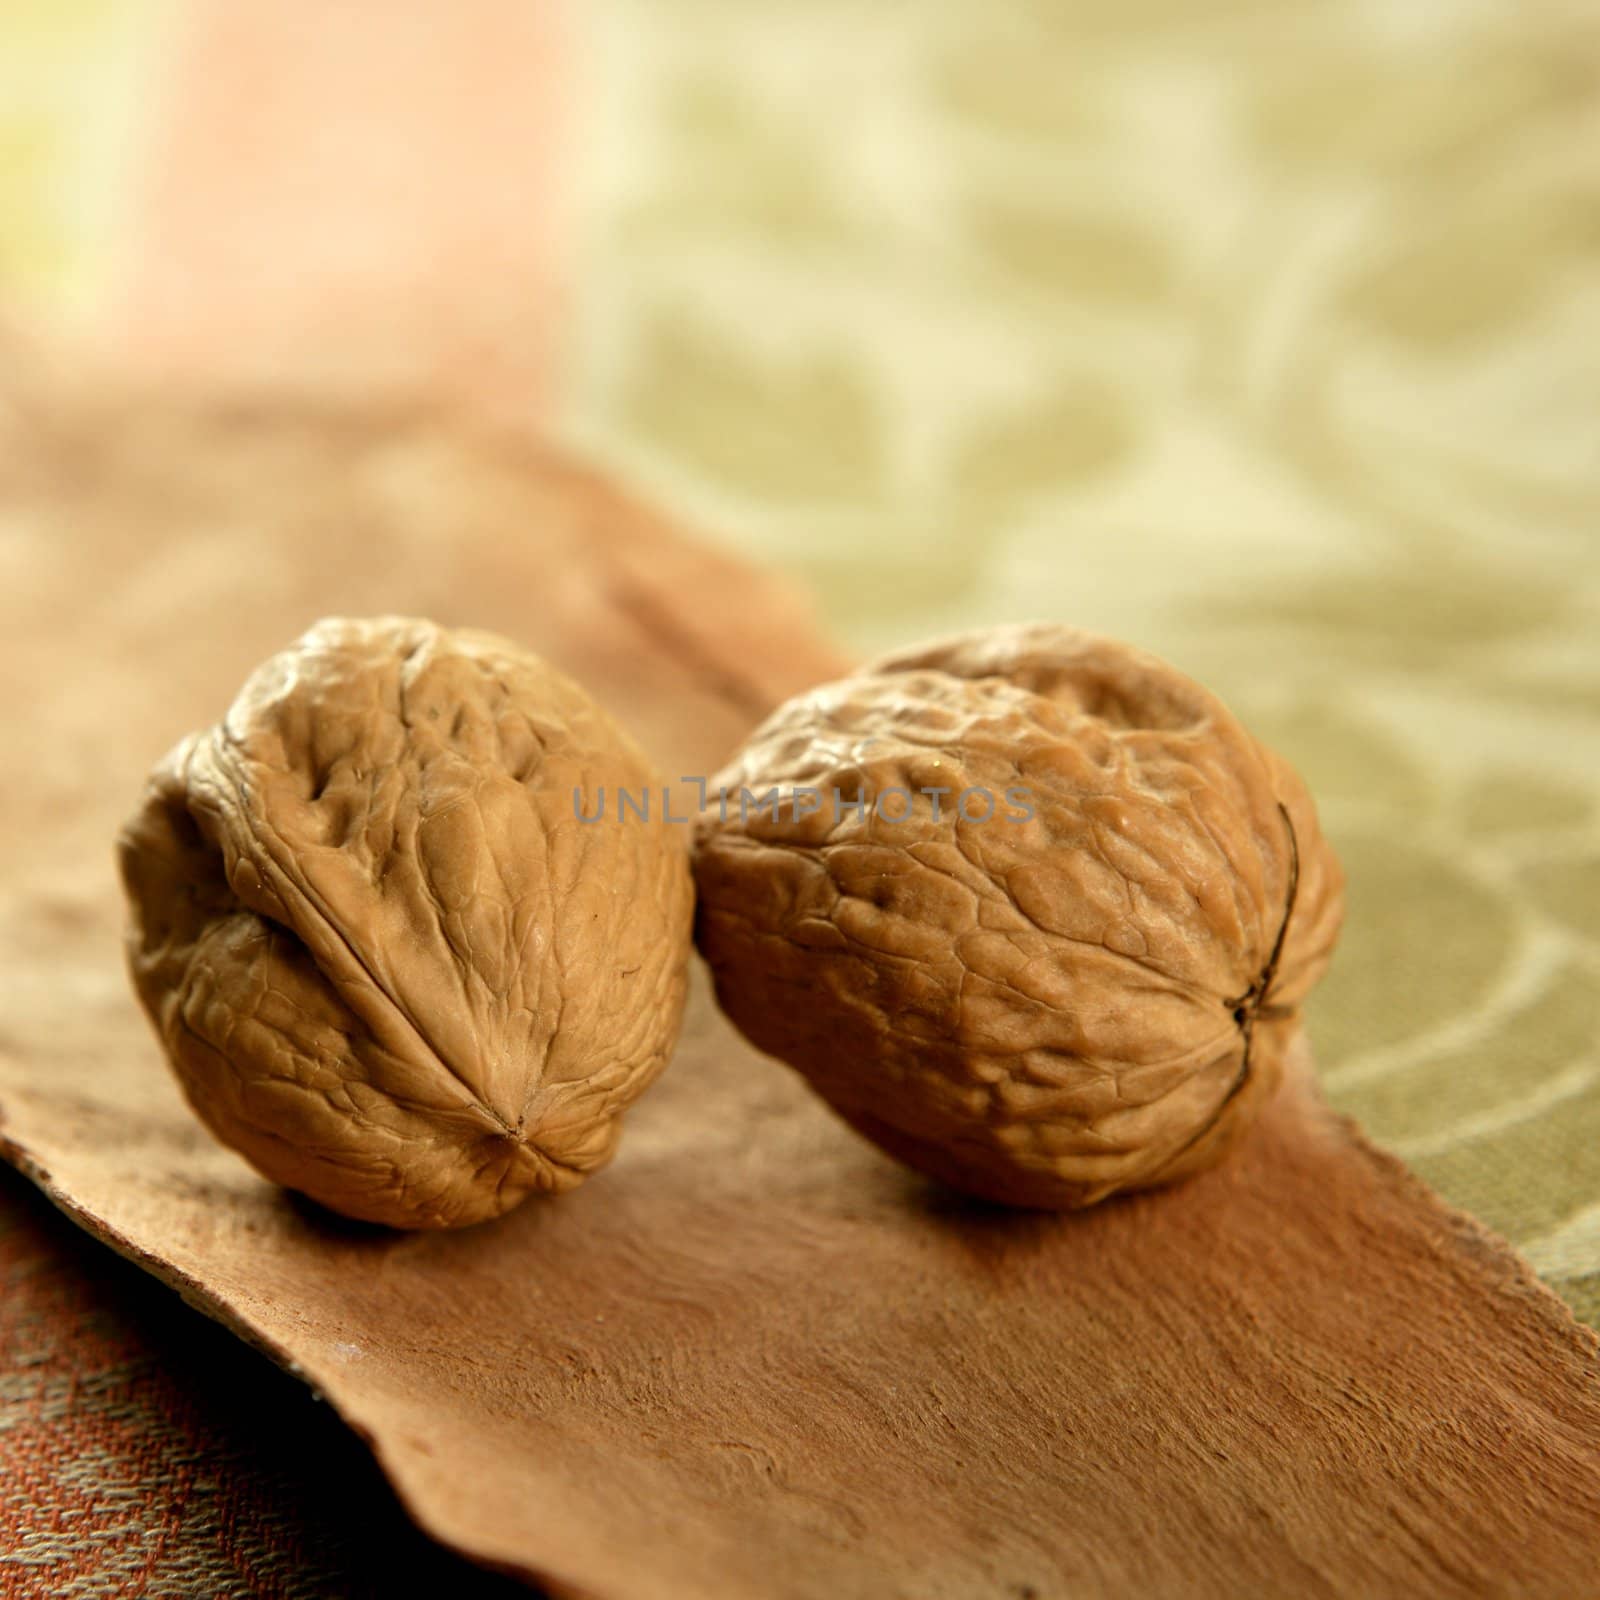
389,963
1065,957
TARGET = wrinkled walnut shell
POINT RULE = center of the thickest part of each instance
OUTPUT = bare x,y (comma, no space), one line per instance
389,964
1040,1011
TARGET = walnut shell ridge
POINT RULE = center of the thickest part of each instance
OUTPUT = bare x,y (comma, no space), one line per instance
388,962
1083,988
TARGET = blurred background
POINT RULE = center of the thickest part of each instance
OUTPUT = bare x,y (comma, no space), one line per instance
1265,333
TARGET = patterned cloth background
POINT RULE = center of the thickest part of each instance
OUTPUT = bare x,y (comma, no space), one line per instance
1265,334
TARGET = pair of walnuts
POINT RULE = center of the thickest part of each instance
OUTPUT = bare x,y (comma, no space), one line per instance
1028,908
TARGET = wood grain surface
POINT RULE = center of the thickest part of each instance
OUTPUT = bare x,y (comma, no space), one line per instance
753,1357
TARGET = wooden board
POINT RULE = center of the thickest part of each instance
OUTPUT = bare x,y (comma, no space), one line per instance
754,1357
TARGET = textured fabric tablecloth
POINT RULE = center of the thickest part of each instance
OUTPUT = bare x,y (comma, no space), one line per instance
146,1451
1266,335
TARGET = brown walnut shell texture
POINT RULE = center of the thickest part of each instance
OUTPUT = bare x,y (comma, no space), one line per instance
1040,1012
389,964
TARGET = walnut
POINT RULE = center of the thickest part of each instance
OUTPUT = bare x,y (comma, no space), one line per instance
1029,908
390,964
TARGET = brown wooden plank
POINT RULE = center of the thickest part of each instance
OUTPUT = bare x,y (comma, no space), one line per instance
754,1357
